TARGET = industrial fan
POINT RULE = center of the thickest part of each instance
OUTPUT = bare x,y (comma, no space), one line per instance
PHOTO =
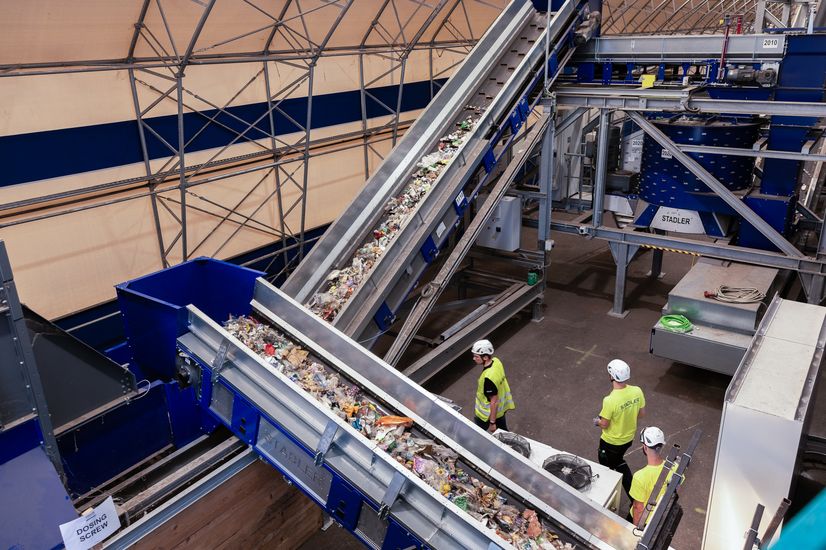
515,442
571,469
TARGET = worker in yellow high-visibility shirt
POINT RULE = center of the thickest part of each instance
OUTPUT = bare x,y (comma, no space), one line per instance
618,420
653,441
493,393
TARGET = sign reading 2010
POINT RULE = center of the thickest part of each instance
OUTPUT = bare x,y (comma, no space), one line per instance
770,43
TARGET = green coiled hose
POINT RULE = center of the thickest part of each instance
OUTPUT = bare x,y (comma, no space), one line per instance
676,323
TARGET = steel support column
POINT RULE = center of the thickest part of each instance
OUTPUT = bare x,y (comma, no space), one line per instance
273,142
547,163
153,182
274,145
759,16
657,264
815,286
182,165
598,192
25,361
786,13
306,159
623,253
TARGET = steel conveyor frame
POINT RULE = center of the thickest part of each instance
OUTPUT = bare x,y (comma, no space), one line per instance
371,308
366,209
294,433
287,428
428,299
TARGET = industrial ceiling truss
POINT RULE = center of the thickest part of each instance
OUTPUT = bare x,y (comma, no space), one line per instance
282,43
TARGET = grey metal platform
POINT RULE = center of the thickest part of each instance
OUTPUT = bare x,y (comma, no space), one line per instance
709,348
686,298
722,331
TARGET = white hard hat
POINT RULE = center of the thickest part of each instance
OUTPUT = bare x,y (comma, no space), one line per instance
482,347
619,370
652,436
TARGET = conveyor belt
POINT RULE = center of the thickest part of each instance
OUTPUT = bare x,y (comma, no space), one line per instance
499,75
360,485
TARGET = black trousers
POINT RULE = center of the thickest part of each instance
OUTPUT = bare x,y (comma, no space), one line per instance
500,422
613,456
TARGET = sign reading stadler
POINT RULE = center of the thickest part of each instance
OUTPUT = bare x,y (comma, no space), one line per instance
86,531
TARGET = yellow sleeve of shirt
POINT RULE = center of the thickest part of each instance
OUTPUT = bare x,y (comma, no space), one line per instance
642,399
640,486
607,410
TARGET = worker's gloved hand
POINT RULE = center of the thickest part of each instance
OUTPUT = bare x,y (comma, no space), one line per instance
596,421
491,428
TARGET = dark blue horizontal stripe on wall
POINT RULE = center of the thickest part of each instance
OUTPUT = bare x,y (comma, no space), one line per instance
101,326
50,154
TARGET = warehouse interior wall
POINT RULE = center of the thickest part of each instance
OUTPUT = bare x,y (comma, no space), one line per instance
76,206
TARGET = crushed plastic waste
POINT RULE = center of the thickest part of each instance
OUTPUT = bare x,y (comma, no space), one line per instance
435,464
341,284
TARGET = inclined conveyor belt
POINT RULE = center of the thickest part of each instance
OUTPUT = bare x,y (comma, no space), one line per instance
357,482
494,89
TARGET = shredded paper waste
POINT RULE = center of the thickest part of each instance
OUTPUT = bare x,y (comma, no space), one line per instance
342,283
436,464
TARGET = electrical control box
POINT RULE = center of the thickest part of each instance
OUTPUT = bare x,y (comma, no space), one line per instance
502,230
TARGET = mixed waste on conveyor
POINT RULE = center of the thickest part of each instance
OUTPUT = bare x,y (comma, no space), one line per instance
436,464
342,283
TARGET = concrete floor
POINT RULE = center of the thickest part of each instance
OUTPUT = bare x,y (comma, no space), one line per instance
556,370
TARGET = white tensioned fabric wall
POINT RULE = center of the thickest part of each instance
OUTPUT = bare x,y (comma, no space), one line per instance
82,208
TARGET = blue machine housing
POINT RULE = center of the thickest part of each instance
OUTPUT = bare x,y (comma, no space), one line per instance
666,182
163,415
802,78
154,307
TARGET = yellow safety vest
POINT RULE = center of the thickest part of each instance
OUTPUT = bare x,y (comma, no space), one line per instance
496,373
